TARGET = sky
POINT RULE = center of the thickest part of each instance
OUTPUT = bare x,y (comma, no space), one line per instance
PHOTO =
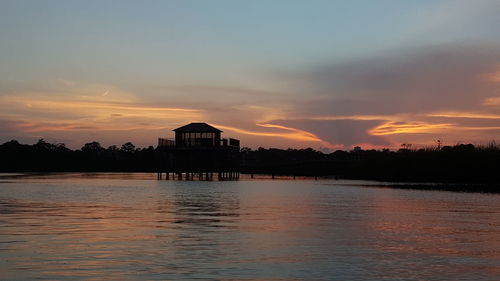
322,74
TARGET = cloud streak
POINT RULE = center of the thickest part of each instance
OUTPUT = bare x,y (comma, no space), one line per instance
436,92
428,90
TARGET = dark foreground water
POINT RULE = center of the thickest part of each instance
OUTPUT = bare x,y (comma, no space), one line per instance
130,226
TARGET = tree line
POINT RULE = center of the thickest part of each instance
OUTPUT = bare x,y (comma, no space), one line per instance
463,163
91,157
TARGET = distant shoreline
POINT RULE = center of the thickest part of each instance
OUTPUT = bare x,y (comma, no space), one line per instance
437,186
463,167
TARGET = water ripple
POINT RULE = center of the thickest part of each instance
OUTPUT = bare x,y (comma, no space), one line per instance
107,228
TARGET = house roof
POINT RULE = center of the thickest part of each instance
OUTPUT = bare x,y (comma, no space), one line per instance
197,127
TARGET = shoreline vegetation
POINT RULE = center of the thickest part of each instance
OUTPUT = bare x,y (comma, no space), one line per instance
452,187
462,167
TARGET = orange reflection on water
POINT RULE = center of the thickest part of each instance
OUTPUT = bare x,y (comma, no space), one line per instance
433,227
134,227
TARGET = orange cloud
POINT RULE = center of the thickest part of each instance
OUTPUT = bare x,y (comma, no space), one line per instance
95,115
493,77
294,134
78,118
68,125
108,107
456,114
493,101
484,128
391,128
353,117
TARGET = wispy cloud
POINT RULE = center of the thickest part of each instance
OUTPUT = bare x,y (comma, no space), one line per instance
425,91
391,128
422,94
283,132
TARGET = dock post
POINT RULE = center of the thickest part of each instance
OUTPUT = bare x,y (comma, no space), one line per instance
272,176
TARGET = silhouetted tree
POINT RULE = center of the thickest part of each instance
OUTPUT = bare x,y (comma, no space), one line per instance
458,163
43,145
128,147
92,147
113,148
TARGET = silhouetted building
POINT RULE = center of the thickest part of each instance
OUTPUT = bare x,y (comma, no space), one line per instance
197,134
199,150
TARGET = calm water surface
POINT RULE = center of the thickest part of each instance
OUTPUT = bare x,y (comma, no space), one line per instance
130,226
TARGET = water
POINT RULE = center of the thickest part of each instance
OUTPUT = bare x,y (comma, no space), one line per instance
130,226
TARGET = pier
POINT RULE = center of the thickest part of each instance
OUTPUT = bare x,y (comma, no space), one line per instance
198,153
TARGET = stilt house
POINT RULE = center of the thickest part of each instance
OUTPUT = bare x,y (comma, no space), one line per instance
199,150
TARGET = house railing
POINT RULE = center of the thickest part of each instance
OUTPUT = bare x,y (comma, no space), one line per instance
166,142
162,142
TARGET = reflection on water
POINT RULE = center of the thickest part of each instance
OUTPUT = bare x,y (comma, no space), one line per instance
108,227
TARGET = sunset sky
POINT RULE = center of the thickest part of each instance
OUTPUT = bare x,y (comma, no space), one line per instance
322,74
